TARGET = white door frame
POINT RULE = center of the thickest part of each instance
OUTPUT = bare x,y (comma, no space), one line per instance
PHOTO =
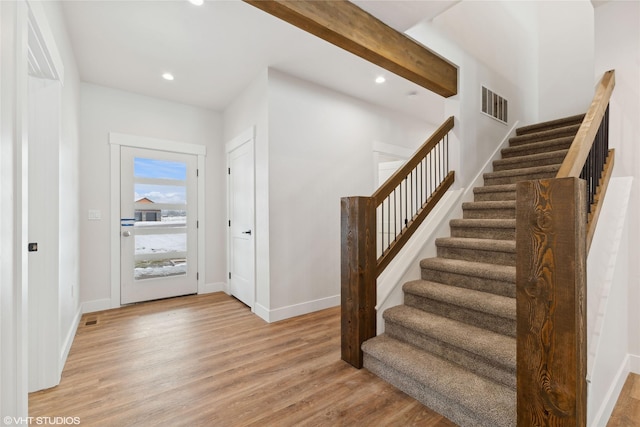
116,140
246,137
23,28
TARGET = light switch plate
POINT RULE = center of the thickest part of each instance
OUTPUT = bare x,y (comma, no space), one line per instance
95,214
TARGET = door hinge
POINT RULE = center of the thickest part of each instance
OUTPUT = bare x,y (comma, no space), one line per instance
197,172
229,223
197,224
229,275
197,276
229,171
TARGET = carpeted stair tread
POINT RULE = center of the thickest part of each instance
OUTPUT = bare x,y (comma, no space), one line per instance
479,276
483,223
470,268
489,209
463,397
484,302
487,244
544,135
498,348
498,229
571,120
499,192
538,147
539,159
512,176
491,251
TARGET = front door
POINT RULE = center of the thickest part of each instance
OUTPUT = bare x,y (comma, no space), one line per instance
241,223
158,224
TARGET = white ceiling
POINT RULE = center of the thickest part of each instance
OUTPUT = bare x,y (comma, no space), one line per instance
217,49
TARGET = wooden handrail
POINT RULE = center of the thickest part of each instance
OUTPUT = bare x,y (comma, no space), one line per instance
581,145
394,180
418,185
387,188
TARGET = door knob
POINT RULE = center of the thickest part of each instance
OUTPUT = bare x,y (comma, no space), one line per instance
126,233
247,232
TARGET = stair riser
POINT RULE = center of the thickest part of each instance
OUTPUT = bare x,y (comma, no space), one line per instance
530,138
478,255
488,321
451,409
498,287
484,233
526,163
517,178
496,196
475,363
505,213
525,150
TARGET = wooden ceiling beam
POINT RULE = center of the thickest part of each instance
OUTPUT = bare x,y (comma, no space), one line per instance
345,25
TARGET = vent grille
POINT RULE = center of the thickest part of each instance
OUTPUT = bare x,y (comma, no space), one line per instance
494,105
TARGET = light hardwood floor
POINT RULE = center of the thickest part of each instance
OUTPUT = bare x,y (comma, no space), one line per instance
208,361
627,410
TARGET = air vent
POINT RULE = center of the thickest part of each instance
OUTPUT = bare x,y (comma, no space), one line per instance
494,105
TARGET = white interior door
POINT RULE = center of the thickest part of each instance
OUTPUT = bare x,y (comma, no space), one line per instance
158,226
241,223
44,219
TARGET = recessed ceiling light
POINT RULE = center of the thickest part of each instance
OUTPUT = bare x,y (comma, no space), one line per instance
197,2
167,76
380,79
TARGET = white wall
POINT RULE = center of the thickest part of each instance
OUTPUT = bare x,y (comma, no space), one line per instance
565,58
105,110
320,149
475,134
502,36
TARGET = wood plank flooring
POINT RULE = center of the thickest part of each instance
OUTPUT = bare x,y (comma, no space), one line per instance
627,410
208,361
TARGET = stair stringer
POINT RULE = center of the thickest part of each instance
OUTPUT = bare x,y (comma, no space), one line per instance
405,267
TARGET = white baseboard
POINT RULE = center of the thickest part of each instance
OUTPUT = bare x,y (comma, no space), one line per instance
634,363
208,288
96,305
68,340
296,309
631,363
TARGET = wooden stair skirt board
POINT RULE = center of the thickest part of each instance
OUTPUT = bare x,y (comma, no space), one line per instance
452,344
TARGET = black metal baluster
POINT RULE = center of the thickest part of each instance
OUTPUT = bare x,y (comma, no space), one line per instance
446,147
411,203
382,225
405,204
395,232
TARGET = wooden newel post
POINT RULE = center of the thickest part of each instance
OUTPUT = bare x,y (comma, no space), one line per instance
551,302
358,271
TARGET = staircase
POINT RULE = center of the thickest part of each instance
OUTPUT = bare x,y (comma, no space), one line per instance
452,344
